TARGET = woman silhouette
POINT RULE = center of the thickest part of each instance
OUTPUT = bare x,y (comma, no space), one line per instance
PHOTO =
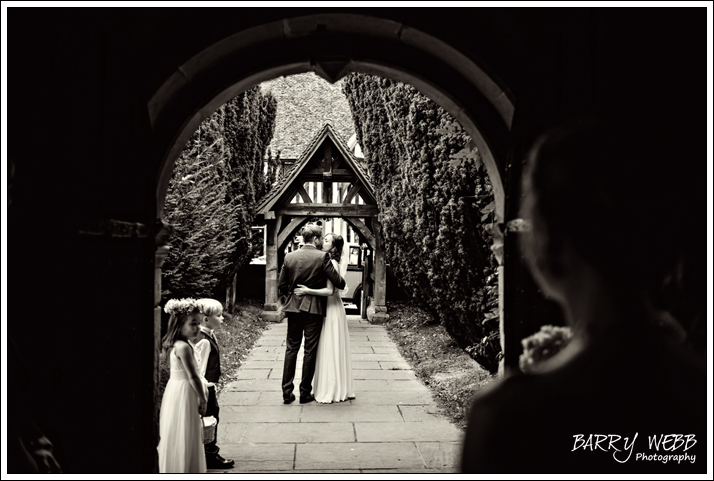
607,223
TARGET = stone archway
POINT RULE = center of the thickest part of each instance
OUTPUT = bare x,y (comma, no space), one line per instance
136,80
332,45
107,72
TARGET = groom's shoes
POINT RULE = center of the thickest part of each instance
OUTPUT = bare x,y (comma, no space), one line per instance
216,461
290,399
307,399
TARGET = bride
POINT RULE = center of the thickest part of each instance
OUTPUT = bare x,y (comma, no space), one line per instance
333,369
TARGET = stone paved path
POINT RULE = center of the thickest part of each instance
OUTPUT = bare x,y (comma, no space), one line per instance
391,426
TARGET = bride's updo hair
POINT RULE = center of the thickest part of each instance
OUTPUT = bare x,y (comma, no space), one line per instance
337,244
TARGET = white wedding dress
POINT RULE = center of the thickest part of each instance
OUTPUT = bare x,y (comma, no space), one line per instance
180,429
333,368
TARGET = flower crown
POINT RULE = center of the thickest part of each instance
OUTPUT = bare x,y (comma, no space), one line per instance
181,306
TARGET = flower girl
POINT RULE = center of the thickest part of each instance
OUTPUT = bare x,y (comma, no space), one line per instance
181,432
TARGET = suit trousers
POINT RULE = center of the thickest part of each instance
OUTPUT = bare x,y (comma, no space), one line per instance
310,325
212,409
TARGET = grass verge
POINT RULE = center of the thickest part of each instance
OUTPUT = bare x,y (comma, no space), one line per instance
436,359
236,337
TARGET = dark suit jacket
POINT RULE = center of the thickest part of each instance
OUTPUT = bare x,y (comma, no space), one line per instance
311,268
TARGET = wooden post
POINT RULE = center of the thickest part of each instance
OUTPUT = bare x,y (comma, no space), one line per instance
271,273
366,269
271,267
327,174
380,315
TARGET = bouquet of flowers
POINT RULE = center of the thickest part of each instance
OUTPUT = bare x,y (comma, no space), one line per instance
543,345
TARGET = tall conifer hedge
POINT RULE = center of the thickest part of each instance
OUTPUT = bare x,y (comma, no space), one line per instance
212,196
436,207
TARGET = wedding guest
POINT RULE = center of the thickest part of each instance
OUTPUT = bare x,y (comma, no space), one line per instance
607,227
185,397
209,366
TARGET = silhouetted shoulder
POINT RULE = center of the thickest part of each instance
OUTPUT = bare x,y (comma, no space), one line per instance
531,423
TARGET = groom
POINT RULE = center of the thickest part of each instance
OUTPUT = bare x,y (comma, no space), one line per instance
310,267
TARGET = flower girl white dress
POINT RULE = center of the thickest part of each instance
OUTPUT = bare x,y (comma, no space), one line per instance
181,444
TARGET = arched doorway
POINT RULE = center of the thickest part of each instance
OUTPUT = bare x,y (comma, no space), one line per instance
103,70
332,45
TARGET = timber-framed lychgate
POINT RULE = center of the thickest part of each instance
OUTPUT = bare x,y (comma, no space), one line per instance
327,181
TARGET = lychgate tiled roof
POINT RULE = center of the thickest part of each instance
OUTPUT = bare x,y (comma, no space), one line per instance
305,103
284,183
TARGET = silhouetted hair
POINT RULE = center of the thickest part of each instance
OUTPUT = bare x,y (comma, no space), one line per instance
606,184
309,232
337,244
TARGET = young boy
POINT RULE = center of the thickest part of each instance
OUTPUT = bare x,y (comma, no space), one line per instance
209,364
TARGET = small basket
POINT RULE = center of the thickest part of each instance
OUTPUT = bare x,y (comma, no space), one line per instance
209,429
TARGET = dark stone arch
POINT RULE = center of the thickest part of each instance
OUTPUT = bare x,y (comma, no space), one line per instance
336,43
332,45
86,149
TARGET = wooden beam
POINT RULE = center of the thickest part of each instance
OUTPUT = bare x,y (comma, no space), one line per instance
271,265
362,229
327,174
287,197
289,230
349,177
337,163
270,215
320,172
353,191
367,283
327,157
329,210
270,235
278,224
380,266
303,193
340,190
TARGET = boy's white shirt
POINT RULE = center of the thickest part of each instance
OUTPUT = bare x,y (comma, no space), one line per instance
203,349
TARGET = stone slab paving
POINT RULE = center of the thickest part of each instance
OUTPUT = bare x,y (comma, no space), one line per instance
391,427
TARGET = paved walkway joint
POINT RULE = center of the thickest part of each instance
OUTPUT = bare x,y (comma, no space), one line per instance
391,426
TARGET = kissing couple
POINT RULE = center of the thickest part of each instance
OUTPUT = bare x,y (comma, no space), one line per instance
310,280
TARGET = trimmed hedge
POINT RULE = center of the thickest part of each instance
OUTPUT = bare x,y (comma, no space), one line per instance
436,208
212,196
